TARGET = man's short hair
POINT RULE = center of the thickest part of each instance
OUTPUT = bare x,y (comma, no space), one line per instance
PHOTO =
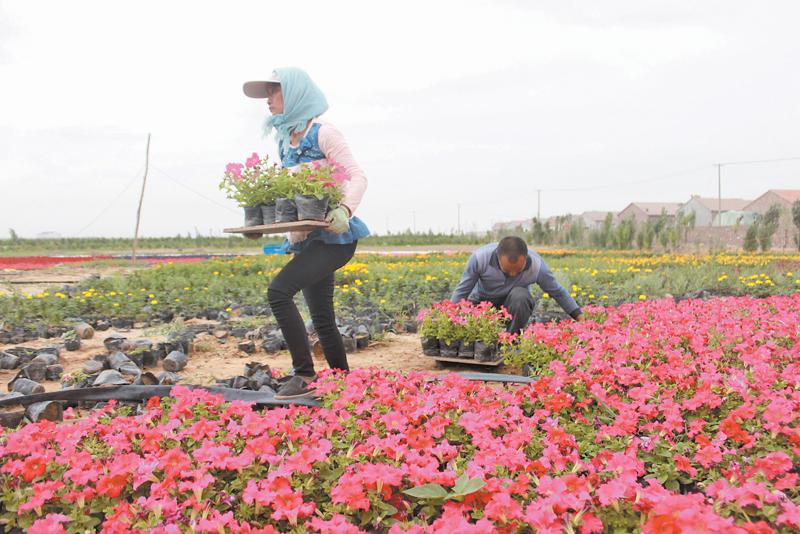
512,248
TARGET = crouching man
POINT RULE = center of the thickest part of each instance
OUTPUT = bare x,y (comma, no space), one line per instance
502,273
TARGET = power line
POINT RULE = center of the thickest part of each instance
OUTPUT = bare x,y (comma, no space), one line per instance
705,168
756,161
112,202
192,190
628,183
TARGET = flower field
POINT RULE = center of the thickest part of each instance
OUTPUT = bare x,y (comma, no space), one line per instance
400,285
659,415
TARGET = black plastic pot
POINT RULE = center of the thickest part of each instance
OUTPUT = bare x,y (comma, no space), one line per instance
311,208
174,362
466,349
253,216
268,213
484,352
430,346
45,411
27,387
285,210
448,350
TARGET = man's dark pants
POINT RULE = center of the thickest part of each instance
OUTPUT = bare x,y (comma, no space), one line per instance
519,303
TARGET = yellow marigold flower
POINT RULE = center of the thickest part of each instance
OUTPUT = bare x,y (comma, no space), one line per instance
153,302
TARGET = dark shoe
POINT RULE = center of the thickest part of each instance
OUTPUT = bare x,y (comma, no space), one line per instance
296,388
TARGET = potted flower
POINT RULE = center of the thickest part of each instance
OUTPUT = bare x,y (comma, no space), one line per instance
318,186
486,323
474,328
250,185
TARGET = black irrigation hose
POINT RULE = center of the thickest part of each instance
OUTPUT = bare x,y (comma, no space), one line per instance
143,393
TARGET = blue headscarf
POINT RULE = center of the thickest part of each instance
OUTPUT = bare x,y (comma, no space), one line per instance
302,101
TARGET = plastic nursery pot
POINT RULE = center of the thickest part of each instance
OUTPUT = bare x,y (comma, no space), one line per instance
268,213
430,346
27,387
311,208
252,216
448,350
484,352
466,349
285,210
175,361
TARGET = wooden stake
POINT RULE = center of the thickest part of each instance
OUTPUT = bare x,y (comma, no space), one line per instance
139,211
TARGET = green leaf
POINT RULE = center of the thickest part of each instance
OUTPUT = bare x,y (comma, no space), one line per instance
385,508
473,485
427,491
460,484
672,485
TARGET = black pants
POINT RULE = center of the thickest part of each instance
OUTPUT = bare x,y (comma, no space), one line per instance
311,271
519,303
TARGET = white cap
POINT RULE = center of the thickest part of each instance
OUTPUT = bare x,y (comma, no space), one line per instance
261,89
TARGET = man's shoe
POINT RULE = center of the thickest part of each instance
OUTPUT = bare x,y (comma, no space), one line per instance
296,388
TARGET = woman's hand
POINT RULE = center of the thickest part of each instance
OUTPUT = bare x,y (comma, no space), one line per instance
339,217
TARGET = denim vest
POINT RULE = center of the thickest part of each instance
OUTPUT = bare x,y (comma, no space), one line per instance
308,150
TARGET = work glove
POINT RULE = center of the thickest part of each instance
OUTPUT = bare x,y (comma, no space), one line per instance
339,218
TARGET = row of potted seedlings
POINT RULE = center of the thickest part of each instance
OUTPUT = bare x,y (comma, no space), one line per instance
464,330
270,194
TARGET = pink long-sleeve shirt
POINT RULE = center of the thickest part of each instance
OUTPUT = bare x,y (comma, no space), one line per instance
334,146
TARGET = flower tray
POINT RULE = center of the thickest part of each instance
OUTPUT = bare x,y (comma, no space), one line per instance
279,228
468,361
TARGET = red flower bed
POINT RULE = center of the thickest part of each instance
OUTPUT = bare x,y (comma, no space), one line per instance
654,417
39,262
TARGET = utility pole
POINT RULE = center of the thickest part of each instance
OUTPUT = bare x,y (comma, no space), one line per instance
719,192
415,221
139,211
459,219
539,205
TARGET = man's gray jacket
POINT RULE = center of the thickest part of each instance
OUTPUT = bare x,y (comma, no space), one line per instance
486,281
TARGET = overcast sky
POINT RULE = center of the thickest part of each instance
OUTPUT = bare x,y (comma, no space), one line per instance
460,112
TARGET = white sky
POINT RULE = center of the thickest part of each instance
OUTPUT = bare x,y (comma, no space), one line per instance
444,103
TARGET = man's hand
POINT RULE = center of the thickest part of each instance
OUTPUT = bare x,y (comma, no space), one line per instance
339,217
581,319
252,235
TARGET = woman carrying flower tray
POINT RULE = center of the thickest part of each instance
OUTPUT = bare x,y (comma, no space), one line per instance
295,104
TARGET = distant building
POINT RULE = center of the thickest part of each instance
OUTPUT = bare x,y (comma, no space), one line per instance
783,198
49,235
649,211
525,225
707,209
595,219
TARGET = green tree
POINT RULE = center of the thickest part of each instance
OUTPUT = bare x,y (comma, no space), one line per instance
646,236
796,221
624,234
13,234
768,226
751,238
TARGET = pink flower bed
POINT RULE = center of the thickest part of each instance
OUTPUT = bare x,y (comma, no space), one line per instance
39,262
654,417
